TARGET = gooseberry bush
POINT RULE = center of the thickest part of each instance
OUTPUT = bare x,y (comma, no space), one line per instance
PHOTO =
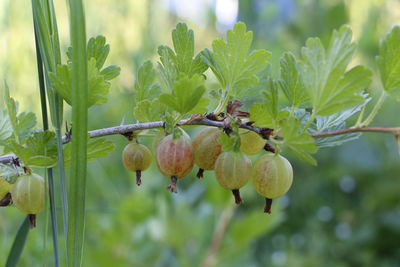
228,88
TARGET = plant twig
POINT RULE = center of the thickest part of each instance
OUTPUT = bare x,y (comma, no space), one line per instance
392,130
122,129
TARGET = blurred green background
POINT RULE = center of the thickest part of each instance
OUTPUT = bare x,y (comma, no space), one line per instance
345,212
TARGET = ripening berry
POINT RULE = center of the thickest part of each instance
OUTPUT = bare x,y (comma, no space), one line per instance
136,158
156,141
206,149
233,170
272,177
175,158
28,193
250,142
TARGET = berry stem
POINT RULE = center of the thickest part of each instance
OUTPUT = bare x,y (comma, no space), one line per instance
6,200
236,194
172,186
32,219
138,175
200,173
268,204
269,148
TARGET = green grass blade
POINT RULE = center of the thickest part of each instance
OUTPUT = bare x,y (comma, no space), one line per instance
19,243
46,25
50,178
76,211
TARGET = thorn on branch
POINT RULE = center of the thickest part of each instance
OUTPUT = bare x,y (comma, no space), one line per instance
123,121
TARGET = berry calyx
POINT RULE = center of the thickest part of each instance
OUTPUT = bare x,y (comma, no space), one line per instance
206,149
233,171
28,193
250,142
175,158
272,177
136,158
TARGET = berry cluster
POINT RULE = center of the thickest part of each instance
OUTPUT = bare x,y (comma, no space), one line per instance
175,155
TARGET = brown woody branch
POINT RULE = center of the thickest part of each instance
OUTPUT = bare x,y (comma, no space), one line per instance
130,128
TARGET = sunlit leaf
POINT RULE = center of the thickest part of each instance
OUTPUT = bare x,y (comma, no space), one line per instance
145,87
291,81
187,93
231,62
329,86
389,62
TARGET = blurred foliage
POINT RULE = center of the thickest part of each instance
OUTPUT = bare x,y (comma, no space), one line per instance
344,212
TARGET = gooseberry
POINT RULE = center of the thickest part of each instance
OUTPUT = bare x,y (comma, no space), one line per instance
206,149
233,170
137,158
174,158
28,193
250,142
272,177
157,140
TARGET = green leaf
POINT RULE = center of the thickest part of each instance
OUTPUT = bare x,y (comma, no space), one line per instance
96,148
261,116
329,86
62,82
231,62
110,72
181,61
26,122
301,143
6,129
98,49
9,173
201,106
337,140
149,110
187,93
183,40
145,87
18,244
12,109
167,68
388,62
21,125
226,142
291,81
37,151
98,85
268,113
